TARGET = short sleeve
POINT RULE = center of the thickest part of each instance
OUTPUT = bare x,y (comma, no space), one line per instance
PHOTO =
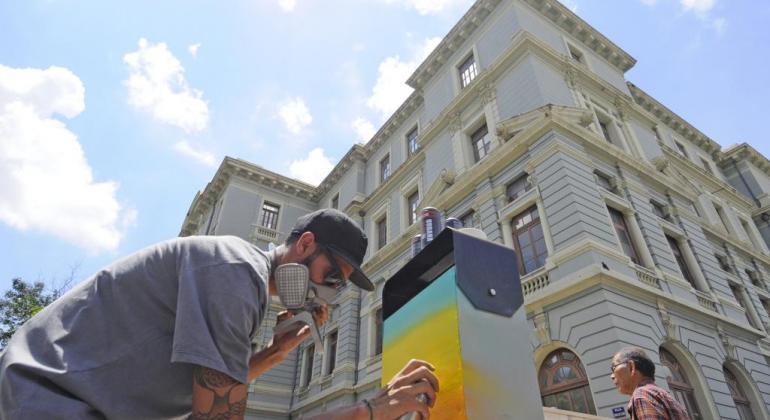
218,310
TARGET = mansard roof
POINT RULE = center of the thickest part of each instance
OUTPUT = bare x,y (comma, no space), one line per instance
551,9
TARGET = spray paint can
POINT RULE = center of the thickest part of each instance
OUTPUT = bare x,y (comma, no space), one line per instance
415,415
431,224
416,245
453,223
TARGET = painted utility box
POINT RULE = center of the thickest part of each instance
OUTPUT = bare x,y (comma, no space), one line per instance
458,304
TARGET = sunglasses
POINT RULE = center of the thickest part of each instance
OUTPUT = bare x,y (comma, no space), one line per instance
334,277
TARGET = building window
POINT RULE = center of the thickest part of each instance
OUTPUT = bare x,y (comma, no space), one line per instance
411,203
604,125
659,210
680,260
693,207
270,215
740,298
468,71
766,305
706,166
604,181
754,277
385,168
528,240
331,352
679,385
516,188
411,142
621,228
749,232
724,264
336,201
564,383
681,148
742,403
480,143
307,373
378,332
467,219
382,232
722,218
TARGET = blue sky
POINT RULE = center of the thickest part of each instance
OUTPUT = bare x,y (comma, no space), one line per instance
113,115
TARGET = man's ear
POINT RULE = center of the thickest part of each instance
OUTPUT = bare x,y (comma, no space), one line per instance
304,244
631,366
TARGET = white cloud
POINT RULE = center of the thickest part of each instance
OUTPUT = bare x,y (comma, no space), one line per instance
698,6
46,183
156,84
391,90
425,7
200,156
312,169
363,128
193,49
287,5
295,115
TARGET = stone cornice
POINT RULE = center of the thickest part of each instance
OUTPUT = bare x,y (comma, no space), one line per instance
403,112
700,174
522,44
462,30
551,9
744,151
357,152
248,171
674,121
581,30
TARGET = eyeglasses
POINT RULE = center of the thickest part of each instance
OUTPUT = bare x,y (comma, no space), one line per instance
615,366
334,277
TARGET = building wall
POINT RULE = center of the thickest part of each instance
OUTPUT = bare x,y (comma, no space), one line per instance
589,297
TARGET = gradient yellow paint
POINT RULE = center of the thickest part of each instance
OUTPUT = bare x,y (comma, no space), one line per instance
434,338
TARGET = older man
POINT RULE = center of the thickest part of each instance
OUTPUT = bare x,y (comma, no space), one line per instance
633,373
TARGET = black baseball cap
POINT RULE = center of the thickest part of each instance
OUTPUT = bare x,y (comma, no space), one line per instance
342,236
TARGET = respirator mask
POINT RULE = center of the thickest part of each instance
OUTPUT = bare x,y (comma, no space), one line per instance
302,297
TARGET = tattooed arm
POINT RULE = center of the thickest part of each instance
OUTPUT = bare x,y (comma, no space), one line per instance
217,396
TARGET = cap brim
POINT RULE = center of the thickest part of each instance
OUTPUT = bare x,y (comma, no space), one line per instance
357,277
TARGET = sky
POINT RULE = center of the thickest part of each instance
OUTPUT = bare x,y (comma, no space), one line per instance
114,114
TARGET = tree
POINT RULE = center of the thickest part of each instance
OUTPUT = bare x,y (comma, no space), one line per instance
20,303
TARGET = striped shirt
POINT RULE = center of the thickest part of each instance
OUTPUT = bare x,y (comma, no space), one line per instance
651,402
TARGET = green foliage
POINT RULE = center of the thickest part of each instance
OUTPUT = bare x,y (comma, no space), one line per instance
19,304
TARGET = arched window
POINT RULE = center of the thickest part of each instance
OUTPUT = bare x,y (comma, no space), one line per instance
739,397
680,386
564,384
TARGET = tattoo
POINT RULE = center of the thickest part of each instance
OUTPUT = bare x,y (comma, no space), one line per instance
224,396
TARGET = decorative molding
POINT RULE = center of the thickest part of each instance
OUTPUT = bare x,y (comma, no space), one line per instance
568,21
727,343
668,322
542,328
673,121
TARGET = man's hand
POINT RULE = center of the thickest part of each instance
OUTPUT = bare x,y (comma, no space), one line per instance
400,394
282,344
289,340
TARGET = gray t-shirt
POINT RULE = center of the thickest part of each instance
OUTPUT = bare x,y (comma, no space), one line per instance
123,344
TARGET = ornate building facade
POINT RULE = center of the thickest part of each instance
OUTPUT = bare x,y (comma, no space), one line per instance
631,226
